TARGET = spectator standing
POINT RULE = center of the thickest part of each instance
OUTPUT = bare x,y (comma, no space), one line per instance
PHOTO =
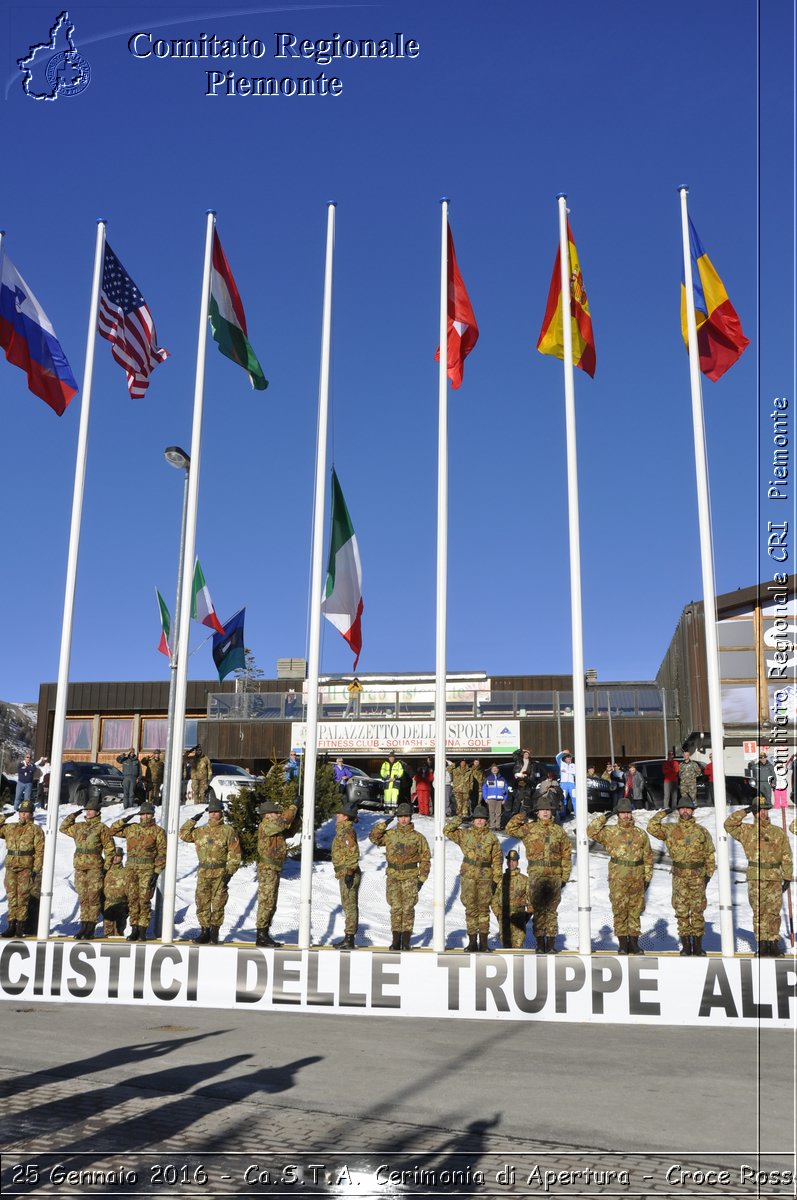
635,787
567,781
762,775
392,772
26,771
291,704
423,780
524,780
549,789
291,767
670,769
353,705
708,771
43,779
617,781
131,773
495,793
342,775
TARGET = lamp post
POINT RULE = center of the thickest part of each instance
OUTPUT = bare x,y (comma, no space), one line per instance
176,458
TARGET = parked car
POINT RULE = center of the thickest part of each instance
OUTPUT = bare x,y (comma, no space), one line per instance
363,790
78,777
228,778
599,794
738,790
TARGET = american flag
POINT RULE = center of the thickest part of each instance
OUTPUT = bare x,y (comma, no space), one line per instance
127,323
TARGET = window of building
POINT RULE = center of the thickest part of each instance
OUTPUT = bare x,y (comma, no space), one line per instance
153,733
735,633
117,733
737,664
649,700
190,732
77,734
739,704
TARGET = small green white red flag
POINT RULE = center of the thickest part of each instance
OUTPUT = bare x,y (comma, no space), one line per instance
343,594
166,625
202,609
228,320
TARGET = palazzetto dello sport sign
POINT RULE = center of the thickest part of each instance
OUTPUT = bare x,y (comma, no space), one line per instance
729,992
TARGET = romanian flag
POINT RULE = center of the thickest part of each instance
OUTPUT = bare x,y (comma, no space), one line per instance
720,340
463,332
551,339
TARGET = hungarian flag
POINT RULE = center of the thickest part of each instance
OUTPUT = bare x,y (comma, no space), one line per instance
229,653
202,609
551,339
343,594
463,332
720,340
166,625
227,318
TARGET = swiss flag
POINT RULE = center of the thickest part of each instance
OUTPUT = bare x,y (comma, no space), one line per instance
463,332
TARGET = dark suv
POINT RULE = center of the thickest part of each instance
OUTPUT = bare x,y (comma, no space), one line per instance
599,792
738,790
363,790
78,777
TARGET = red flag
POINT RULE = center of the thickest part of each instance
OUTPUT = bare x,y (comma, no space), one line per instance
463,332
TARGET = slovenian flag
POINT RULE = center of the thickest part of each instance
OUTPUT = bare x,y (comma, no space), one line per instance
202,609
552,335
166,626
30,342
720,340
343,594
228,320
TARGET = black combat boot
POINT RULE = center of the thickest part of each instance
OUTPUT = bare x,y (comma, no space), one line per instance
687,947
697,946
81,932
634,946
776,950
133,934
214,935
88,930
543,945
348,942
10,930
405,940
623,940
396,943
552,945
472,946
142,933
483,946
203,938
262,933
271,943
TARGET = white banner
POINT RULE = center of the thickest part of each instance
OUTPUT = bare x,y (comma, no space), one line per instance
413,737
729,992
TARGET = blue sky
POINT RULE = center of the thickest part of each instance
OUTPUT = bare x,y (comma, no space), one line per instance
506,105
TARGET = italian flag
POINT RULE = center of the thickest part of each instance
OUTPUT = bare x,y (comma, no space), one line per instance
202,609
343,594
166,625
227,318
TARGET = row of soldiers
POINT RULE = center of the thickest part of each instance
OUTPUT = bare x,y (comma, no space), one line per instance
485,887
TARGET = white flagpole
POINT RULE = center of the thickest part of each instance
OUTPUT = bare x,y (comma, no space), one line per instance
579,690
311,736
727,939
175,776
439,858
59,726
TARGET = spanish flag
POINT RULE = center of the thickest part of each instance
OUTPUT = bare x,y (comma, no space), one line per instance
720,340
551,339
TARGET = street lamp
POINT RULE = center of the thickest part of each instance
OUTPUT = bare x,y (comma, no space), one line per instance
176,457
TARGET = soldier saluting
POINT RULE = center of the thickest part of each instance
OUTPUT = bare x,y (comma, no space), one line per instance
769,870
146,858
24,855
630,871
480,873
218,852
93,843
346,863
408,865
272,851
691,849
549,857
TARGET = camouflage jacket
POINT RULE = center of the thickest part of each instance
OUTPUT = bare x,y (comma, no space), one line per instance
688,844
25,845
629,847
462,779
481,850
114,886
688,775
146,845
155,770
201,768
345,851
547,846
407,850
92,840
767,847
271,848
217,846
512,894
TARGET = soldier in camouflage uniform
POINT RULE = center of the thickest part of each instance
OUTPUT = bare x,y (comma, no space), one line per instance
688,775
477,778
408,865
346,862
462,781
691,849
218,852
630,871
154,777
24,855
549,857
114,891
480,873
93,844
769,869
146,858
271,854
510,904
201,774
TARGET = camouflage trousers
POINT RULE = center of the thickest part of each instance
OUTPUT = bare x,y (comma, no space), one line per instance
19,885
477,895
211,897
199,787
462,803
402,896
627,896
138,881
689,903
511,925
88,885
766,901
114,919
545,892
349,902
268,886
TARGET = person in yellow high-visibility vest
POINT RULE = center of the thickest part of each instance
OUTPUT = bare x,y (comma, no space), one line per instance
392,772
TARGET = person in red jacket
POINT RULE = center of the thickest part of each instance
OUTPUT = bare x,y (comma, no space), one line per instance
423,779
669,773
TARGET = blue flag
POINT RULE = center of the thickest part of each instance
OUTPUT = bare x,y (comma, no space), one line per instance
228,647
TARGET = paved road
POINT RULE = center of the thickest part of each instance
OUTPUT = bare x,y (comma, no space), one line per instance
98,1089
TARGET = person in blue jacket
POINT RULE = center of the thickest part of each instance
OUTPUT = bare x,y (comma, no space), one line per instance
495,791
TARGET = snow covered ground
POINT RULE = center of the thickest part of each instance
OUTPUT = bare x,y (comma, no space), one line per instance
659,930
